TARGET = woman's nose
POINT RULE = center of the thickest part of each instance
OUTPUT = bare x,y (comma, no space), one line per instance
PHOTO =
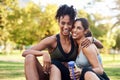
66,26
74,29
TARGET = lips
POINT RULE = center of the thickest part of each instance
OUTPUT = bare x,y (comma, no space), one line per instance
74,34
65,31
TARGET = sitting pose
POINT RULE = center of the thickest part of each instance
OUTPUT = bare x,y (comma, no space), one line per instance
61,47
88,60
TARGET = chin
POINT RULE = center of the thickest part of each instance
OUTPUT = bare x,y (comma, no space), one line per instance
66,34
74,37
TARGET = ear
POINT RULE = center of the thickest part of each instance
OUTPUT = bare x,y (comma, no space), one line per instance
86,31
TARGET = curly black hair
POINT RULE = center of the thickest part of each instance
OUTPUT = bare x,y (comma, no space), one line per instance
66,10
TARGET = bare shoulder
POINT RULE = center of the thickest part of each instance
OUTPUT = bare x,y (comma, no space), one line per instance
91,46
45,43
50,38
90,49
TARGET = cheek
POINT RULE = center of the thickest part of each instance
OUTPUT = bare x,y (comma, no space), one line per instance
60,26
81,33
70,28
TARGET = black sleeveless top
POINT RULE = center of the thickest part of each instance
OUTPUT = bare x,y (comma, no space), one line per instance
59,54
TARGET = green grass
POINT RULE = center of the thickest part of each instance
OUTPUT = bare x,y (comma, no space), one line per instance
12,68
11,71
113,73
111,65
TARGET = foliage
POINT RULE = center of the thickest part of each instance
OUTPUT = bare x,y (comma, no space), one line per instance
117,45
26,25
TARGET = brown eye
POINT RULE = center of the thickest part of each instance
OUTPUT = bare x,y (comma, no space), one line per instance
63,23
69,23
78,27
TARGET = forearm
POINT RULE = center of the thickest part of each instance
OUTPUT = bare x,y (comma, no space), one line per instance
97,43
98,70
33,52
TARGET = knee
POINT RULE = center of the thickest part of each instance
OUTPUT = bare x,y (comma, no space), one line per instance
55,73
90,76
54,68
29,58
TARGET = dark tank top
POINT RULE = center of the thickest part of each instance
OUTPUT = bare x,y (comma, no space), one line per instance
59,54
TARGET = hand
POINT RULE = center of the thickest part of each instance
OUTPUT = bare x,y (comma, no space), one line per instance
86,42
77,73
46,62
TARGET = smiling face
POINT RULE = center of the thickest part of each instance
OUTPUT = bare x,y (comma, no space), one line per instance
78,30
65,25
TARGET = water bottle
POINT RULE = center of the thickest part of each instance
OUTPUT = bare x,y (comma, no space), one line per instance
71,65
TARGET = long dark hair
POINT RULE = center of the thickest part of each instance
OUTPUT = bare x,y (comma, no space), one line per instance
85,25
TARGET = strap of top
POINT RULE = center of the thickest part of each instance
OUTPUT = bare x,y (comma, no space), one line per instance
61,49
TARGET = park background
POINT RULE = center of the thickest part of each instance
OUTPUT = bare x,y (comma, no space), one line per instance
23,23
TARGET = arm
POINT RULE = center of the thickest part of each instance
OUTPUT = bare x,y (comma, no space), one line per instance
37,49
97,43
91,54
87,41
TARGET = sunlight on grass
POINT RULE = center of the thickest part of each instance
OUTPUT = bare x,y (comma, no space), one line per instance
111,65
11,71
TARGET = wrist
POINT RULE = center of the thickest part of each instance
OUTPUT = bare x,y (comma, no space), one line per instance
80,70
93,40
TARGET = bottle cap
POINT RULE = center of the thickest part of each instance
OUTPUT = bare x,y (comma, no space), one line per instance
71,63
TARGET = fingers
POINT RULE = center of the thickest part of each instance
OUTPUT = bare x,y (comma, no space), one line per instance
85,43
46,62
77,75
46,67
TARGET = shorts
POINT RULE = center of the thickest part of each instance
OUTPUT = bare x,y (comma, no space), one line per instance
65,74
101,77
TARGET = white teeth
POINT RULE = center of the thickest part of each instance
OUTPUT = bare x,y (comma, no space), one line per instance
66,31
74,34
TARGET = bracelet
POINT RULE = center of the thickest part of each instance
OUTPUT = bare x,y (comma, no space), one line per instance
94,40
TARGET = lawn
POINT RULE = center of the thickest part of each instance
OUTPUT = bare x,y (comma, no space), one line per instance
12,67
112,66
11,71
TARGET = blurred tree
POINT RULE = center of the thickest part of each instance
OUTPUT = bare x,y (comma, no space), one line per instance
26,25
103,27
117,45
6,7
117,9
48,25
34,24
116,25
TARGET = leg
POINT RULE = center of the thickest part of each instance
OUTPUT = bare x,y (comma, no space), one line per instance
55,73
90,76
62,69
33,69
